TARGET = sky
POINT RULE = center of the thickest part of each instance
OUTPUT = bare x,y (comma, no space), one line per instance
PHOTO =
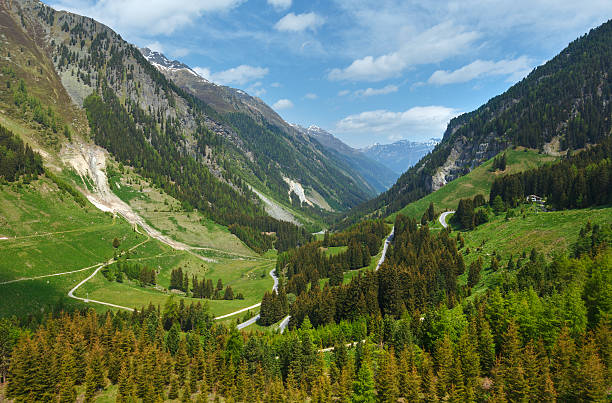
369,72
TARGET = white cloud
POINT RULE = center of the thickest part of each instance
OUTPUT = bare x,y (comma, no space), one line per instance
419,122
155,46
145,16
431,46
256,89
282,104
300,22
237,75
368,92
203,72
280,4
276,85
343,93
311,96
515,69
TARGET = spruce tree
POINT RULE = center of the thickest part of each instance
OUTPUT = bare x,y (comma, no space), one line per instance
386,379
363,386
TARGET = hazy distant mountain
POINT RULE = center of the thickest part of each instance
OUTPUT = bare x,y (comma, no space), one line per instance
401,155
377,175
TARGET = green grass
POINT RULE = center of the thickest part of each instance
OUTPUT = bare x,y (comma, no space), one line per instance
477,181
548,232
334,250
49,233
166,214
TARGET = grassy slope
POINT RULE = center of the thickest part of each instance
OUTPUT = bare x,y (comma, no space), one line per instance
165,214
54,235
550,233
477,181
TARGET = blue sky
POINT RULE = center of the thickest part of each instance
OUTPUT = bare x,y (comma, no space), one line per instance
367,71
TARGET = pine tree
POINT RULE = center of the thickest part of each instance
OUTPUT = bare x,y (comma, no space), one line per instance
363,386
173,338
182,362
513,371
125,387
174,388
474,272
563,357
386,379
591,379
444,359
486,347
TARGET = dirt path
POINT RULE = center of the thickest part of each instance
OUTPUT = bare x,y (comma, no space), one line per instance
49,275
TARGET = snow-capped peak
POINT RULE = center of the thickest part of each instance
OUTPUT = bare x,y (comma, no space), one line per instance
162,63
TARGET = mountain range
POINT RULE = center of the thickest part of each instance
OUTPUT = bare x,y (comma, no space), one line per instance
400,155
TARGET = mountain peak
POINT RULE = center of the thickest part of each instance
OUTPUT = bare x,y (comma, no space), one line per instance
161,62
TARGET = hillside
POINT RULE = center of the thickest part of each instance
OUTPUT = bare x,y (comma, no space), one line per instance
563,104
478,181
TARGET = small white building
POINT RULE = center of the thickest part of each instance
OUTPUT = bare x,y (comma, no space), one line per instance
535,199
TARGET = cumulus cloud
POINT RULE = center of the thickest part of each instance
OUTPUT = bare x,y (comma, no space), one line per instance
203,72
237,75
300,22
256,89
515,69
431,46
418,122
280,4
152,17
282,104
155,46
368,92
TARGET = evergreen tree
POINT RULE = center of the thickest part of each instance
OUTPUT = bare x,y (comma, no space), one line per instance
363,386
386,379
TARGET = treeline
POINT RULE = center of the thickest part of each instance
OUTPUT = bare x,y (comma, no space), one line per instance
469,213
254,239
578,181
274,306
309,263
17,159
179,280
133,271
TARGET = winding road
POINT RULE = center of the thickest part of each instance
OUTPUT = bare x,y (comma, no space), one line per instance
385,247
283,325
443,216
254,318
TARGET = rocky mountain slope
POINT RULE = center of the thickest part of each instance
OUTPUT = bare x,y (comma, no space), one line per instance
226,141
400,155
562,105
374,173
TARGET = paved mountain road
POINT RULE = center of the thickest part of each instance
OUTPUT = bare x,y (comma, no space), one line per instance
443,216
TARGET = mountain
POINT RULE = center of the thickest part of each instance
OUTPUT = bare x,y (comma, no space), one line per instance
378,177
560,106
88,95
401,155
